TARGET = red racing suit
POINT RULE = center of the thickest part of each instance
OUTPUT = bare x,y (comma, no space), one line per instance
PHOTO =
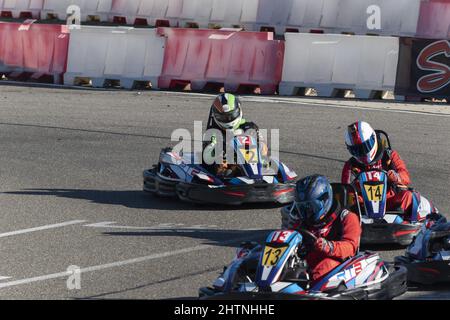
343,230
388,160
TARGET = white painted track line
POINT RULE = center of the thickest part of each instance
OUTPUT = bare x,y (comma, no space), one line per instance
118,263
46,227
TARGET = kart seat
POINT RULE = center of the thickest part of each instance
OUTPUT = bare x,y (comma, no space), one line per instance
383,137
346,195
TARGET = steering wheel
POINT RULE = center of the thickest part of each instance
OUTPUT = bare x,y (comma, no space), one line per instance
310,238
354,183
358,175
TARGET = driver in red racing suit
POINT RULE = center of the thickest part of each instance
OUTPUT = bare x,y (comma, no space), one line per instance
337,229
369,153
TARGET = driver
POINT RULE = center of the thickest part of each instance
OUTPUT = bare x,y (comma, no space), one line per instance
337,229
226,114
369,153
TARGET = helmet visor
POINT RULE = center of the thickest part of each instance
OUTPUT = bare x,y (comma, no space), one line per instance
311,211
228,116
361,150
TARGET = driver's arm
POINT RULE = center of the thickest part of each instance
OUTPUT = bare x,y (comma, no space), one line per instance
398,165
351,234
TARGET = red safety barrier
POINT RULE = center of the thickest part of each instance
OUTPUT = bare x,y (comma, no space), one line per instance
434,19
33,51
233,59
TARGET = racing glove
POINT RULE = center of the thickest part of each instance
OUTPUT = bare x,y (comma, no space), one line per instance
394,177
209,155
325,246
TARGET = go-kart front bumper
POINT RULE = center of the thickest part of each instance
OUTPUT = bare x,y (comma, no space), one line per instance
381,232
156,185
282,193
425,272
238,194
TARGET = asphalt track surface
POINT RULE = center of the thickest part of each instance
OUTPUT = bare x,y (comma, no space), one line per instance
71,166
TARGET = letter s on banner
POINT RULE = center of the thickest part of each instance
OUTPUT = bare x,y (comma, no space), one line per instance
440,76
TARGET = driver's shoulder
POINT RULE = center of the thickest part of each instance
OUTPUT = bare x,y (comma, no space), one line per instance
392,153
347,214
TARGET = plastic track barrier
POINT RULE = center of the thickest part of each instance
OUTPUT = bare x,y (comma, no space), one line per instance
434,20
382,17
333,63
33,51
227,13
196,13
397,17
21,8
106,55
228,58
91,10
216,13
146,12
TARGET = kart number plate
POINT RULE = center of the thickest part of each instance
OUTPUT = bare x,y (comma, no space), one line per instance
272,255
249,155
374,191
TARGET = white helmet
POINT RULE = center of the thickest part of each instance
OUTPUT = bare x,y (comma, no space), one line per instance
362,142
226,111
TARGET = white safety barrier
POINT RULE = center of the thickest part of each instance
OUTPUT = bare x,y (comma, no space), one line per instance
384,17
124,54
219,13
227,13
196,11
89,9
21,8
312,14
149,11
332,63
251,15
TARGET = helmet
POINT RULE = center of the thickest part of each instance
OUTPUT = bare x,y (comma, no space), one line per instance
362,142
313,200
226,111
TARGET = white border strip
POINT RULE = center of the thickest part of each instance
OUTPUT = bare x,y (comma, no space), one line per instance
119,263
46,227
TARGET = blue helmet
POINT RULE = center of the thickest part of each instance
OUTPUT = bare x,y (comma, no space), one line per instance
314,199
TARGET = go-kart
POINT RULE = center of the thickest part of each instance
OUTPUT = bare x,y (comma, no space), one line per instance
278,270
379,225
428,257
252,180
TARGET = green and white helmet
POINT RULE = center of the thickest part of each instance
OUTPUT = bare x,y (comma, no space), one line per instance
226,111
